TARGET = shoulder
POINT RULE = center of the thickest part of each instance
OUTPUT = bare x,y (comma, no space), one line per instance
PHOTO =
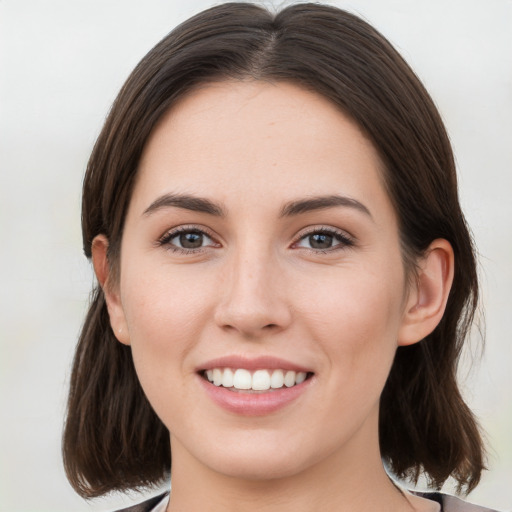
145,506
452,503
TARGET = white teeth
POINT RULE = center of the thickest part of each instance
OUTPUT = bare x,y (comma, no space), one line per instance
301,377
289,379
277,379
242,379
260,380
217,376
227,378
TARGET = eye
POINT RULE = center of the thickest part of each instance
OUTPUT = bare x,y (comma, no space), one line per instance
185,239
324,239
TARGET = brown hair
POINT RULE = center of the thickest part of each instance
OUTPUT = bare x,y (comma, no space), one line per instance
113,440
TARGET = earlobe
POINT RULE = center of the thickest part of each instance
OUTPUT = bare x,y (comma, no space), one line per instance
428,294
111,290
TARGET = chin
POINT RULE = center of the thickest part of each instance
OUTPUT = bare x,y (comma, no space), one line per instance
245,468
257,460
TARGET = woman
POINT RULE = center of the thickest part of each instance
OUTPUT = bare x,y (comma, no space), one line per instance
285,276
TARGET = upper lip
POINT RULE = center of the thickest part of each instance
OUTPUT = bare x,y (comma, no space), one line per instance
253,363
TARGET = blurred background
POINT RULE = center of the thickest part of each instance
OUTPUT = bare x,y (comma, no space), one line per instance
61,65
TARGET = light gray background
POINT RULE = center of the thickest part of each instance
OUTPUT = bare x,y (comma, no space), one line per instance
61,65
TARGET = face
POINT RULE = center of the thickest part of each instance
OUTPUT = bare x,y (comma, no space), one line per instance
261,252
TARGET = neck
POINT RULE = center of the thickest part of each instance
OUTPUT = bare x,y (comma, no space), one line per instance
352,479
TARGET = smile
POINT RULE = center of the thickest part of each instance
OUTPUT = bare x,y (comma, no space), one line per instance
254,386
241,379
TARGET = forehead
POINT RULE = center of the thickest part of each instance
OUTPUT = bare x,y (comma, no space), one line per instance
250,139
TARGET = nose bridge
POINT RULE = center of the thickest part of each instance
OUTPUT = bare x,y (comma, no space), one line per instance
254,298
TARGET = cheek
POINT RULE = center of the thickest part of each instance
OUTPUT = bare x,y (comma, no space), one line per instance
370,298
355,317
165,313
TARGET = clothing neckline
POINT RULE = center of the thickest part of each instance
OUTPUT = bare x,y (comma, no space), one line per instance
164,502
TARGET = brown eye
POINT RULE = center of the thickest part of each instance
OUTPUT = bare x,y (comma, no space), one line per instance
324,240
186,239
320,241
190,240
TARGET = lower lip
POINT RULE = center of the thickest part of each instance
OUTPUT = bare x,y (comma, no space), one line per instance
254,404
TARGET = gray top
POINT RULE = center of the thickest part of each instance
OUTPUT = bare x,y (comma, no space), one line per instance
448,503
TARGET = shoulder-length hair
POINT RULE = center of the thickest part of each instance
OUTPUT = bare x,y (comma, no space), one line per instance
113,440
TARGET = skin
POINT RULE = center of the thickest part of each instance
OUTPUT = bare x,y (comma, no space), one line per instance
259,286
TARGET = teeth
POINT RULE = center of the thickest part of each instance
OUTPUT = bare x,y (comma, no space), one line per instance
301,377
217,376
289,379
227,378
242,379
277,379
260,380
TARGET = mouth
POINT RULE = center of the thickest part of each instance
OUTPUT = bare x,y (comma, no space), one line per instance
256,381
254,386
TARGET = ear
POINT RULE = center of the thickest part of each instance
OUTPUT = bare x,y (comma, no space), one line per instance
428,295
110,289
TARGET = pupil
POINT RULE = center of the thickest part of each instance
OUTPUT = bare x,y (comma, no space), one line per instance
191,240
320,241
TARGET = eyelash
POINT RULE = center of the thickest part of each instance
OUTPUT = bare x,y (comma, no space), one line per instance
340,236
165,240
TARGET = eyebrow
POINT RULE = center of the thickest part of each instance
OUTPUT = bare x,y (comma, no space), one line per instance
187,202
300,206
321,203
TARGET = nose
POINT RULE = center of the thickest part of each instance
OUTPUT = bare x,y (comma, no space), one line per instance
254,298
